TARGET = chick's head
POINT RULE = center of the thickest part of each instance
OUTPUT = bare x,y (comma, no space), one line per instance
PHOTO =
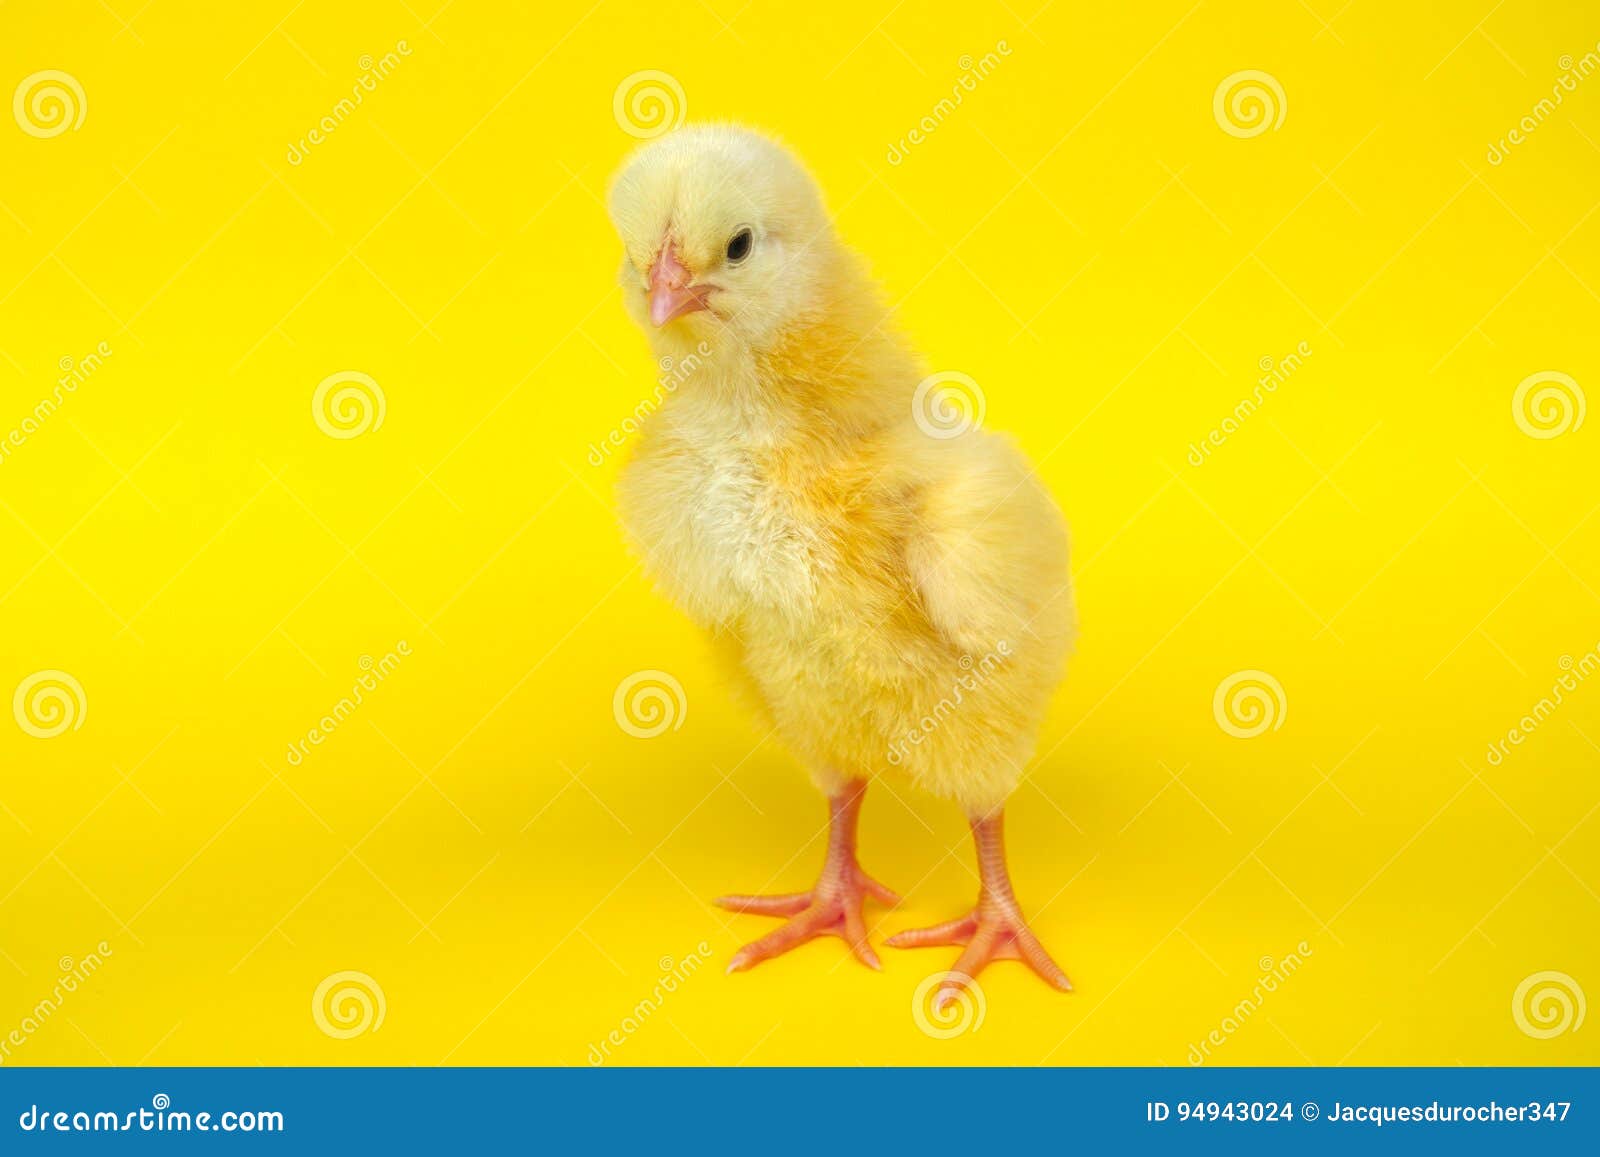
724,237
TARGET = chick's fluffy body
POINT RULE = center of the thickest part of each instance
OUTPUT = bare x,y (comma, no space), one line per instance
895,600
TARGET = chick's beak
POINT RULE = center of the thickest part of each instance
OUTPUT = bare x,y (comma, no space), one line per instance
671,294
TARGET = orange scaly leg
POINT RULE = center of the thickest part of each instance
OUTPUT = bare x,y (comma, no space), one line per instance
994,930
832,907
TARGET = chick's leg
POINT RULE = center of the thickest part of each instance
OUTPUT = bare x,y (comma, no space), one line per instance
832,907
994,930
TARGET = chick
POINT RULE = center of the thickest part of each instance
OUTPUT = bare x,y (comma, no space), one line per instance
893,588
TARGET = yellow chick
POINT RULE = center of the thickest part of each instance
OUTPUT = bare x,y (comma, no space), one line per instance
889,579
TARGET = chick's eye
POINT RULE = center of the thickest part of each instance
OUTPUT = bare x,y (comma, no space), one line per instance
739,245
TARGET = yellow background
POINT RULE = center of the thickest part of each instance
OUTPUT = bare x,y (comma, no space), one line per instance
1082,238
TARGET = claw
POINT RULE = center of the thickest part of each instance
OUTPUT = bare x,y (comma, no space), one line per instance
832,908
855,931
994,930
985,936
880,893
803,927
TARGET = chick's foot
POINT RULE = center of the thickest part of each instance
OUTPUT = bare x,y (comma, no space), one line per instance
832,908
994,930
